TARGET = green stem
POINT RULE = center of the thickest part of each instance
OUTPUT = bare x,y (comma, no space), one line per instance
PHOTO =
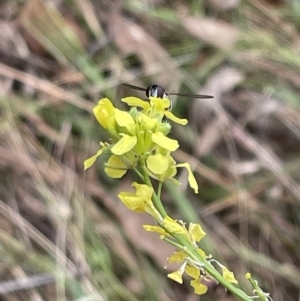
138,173
173,243
159,189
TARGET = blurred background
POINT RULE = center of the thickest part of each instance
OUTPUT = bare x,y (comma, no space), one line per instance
64,235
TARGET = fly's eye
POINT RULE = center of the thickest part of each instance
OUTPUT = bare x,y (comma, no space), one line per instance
161,93
148,92
151,91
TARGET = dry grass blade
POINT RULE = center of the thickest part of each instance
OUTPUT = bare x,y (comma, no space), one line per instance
268,159
219,34
45,86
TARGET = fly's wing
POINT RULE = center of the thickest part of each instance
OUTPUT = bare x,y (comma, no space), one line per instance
134,87
199,96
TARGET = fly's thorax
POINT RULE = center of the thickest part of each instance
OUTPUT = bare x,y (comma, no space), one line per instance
156,91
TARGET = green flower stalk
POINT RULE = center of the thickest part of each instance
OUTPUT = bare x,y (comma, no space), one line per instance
139,141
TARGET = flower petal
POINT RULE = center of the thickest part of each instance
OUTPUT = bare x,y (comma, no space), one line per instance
191,178
104,112
160,104
90,161
136,102
143,191
192,272
124,145
172,226
196,232
124,119
157,229
178,256
199,288
229,276
201,252
115,167
176,276
160,139
158,164
172,117
132,201
139,201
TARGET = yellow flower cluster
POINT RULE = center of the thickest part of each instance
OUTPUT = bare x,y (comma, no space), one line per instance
190,266
139,141
197,272
139,138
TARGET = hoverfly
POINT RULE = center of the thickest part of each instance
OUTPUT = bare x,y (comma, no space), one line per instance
160,92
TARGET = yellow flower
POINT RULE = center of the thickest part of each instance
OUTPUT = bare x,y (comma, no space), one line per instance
158,107
177,275
158,164
199,288
229,276
151,135
141,200
157,229
178,256
192,272
105,113
196,232
163,167
142,133
139,133
172,226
